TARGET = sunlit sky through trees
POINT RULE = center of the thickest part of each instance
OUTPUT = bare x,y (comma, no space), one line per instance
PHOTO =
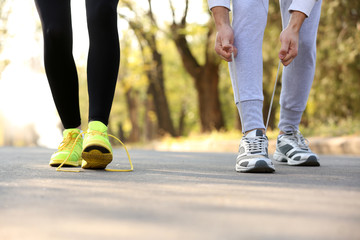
25,98
27,111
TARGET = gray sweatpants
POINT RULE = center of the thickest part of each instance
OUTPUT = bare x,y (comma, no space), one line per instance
249,21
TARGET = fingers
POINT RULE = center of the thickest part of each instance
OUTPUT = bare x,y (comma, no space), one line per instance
224,51
289,46
224,44
235,51
287,61
289,56
226,55
283,50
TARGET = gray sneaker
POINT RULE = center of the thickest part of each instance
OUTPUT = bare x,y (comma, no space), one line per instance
253,154
293,148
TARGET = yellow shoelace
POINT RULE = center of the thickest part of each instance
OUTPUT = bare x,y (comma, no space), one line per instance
109,170
67,140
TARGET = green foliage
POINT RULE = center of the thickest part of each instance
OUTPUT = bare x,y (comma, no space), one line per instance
131,78
179,87
228,106
4,13
336,88
333,102
331,128
335,96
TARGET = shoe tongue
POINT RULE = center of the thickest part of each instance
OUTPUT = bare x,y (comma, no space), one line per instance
97,126
66,131
289,133
255,133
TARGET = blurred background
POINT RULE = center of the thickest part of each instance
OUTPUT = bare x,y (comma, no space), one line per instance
171,84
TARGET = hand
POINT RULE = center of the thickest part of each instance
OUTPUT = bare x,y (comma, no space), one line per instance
224,43
289,38
289,46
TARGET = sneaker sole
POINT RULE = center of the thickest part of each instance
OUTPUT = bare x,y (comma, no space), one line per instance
260,167
96,157
56,163
280,157
310,161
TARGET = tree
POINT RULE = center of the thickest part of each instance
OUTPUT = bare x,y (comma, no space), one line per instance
129,86
206,76
154,67
335,94
4,13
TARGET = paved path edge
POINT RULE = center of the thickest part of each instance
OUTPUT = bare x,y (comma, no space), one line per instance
346,145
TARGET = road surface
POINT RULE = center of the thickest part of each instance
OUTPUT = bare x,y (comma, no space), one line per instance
177,195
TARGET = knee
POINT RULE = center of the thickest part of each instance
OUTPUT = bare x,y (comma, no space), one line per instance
54,33
101,12
307,44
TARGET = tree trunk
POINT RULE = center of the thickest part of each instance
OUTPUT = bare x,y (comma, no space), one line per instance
150,124
147,40
206,77
208,98
157,90
133,115
182,116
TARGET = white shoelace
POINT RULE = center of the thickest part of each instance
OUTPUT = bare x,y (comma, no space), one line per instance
298,139
255,145
302,142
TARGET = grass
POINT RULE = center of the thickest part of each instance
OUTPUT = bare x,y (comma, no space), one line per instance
343,128
348,127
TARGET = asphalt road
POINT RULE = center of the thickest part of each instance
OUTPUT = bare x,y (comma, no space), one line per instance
176,195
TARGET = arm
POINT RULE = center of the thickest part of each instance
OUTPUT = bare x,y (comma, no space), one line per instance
289,38
225,35
304,6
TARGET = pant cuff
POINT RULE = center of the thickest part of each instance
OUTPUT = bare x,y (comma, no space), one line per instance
289,119
252,116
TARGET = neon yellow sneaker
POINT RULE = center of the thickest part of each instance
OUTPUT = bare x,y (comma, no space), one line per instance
97,151
66,148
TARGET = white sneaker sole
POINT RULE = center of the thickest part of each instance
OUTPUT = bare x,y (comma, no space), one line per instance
310,161
260,166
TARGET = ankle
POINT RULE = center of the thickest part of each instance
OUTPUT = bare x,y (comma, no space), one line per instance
262,129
